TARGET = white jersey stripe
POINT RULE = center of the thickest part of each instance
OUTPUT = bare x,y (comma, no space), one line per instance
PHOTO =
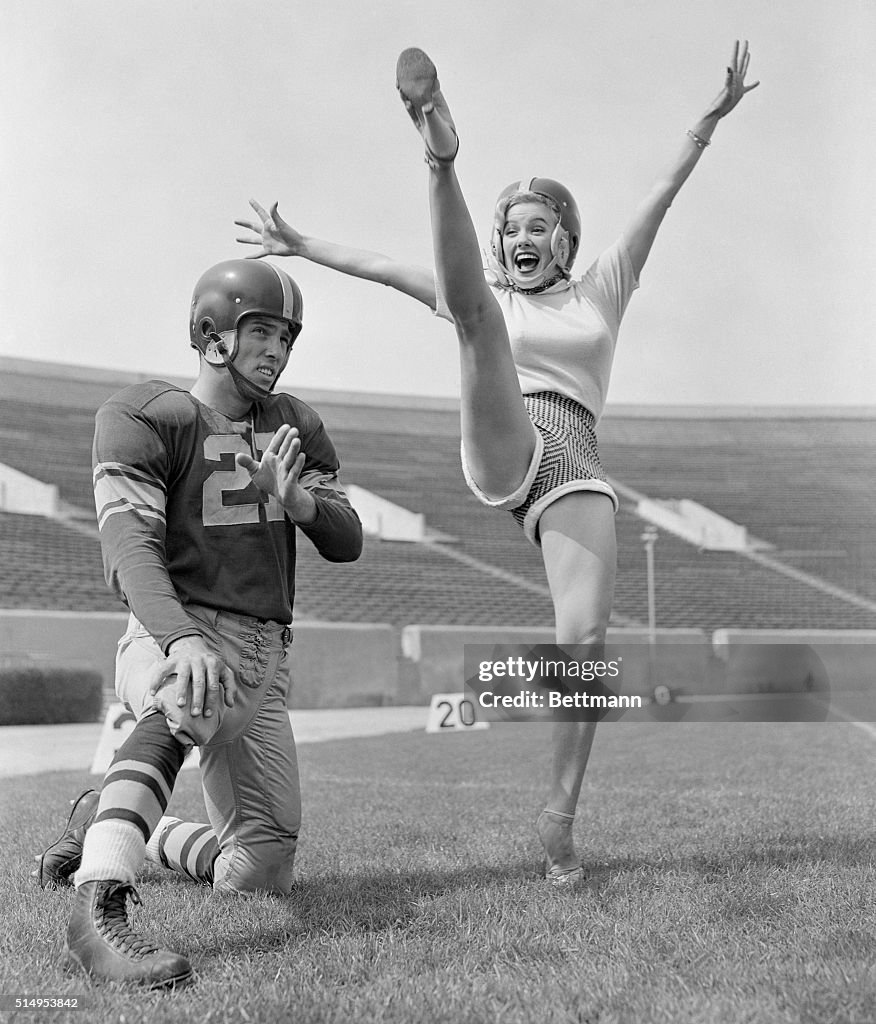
117,485
121,469
126,506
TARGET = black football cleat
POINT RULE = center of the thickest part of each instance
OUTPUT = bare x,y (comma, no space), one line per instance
100,940
62,858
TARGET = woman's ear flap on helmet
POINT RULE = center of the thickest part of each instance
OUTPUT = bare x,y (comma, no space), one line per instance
563,249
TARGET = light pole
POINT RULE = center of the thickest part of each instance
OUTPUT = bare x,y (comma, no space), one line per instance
649,538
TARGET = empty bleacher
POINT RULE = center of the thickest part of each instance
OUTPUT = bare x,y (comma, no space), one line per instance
804,485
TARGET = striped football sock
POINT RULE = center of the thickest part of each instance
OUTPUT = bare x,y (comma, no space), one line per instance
134,796
184,846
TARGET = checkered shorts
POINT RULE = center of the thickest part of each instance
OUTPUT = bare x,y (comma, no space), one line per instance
566,459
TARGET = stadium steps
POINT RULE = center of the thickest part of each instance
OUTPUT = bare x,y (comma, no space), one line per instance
805,486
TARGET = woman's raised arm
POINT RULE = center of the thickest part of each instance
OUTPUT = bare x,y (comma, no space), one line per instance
641,231
277,238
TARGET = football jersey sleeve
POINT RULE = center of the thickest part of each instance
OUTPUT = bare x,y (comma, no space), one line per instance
336,533
131,471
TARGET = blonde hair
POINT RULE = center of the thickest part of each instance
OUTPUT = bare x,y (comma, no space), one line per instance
532,197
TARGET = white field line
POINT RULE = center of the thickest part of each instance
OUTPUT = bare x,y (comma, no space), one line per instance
866,727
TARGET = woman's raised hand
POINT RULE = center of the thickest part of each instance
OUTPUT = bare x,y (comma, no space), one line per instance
734,84
273,234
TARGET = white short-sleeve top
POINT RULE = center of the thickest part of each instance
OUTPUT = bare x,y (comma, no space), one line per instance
563,339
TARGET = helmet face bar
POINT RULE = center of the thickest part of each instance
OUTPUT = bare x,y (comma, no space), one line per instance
230,291
567,234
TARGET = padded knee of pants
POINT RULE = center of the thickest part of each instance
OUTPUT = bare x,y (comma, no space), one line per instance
257,865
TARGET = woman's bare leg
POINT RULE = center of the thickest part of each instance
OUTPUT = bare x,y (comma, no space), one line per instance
577,531
497,432
580,556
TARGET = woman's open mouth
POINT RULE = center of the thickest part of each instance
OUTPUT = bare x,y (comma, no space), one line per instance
526,262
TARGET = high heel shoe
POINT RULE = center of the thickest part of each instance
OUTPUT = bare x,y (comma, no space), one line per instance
556,839
416,79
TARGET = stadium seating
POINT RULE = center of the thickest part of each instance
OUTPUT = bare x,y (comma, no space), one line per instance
804,485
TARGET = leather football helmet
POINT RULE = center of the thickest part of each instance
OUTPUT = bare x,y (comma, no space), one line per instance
230,291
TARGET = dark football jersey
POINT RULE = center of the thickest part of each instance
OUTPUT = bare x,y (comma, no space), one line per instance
180,523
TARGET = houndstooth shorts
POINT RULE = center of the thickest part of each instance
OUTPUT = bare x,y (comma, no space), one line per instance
565,459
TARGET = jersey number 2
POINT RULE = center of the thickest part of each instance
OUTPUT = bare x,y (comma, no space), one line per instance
226,481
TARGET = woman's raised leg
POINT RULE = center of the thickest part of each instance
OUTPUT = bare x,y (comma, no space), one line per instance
497,432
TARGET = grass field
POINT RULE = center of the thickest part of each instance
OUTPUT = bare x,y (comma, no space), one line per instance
731,879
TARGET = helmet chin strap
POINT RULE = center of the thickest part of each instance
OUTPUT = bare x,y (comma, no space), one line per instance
247,390
547,279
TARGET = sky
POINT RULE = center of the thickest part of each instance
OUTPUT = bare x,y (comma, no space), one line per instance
134,134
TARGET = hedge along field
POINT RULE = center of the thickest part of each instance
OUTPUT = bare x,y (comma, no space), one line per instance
730,879
46,695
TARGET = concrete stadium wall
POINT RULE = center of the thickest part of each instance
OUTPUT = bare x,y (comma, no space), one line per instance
686,661
845,658
438,654
344,665
680,658
358,665
333,664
